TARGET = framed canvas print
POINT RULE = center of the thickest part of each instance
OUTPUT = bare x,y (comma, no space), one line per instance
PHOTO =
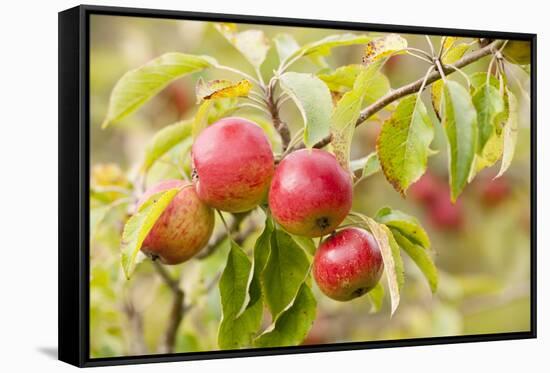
233,186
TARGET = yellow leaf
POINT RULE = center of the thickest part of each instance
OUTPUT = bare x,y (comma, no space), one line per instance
383,47
222,89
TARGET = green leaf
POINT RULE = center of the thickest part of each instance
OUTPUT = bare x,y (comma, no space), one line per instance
138,226
460,123
491,153
239,331
100,213
284,272
137,86
292,327
369,165
305,243
493,149
406,224
252,44
345,116
343,78
347,111
376,297
313,99
403,145
510,133
479,79
322,47
383,47
210,111
489,106
454,52
262,247
241,320
97,215
285,45
221,88
165,140
393,263
420,256
200,122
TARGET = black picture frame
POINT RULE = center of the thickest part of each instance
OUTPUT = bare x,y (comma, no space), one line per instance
74,206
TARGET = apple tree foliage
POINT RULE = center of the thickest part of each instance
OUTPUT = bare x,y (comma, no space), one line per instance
479,116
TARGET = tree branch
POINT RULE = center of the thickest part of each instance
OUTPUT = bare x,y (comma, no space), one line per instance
176,314
135,319
280,126
414,87
178,310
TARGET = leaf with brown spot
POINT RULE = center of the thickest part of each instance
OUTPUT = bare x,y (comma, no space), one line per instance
221,89
384,47
403,145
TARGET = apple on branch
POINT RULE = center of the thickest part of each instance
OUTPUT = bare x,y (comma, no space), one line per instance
184,227
233,164
348,264
311,194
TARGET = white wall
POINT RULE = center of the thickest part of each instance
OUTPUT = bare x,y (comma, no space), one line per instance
28,184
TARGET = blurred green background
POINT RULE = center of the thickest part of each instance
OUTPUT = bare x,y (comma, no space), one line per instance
482,243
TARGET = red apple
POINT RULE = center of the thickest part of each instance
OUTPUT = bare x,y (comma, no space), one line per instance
444,215
311,194
426,189
184,227
348,264
494,191
234,165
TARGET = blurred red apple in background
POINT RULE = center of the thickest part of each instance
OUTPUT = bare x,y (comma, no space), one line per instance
444,215
494,191
426,189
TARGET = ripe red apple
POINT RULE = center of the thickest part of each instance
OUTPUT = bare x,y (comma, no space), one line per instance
348,264
234,165
311,194
184,227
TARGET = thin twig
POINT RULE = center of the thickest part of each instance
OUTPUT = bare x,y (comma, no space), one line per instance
241,73
419,57
253,106
135,319
168,342
432,77
440,69
430,45
222,236
464,75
